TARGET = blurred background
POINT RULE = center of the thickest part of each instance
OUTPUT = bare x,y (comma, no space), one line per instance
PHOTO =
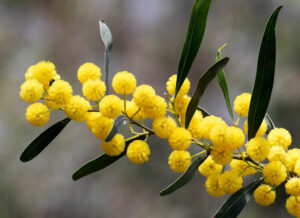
148,38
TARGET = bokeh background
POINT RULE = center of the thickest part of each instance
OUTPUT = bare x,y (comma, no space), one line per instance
148,38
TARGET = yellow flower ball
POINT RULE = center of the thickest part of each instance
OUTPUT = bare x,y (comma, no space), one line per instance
29,73
277,153
207,124
181,103
281,137
88,71
217,134
258,148
297,166
221,155
234,138
93,89
91,118
163,126
260,132
111,106
138,152
143,95
242,168
293,205
180,139
59,93
100,125
134,111
292,156
124,83
156,109
292,187
195,124
77,108
31,91
241,104
37,114
209,167
114,147
274,173
264,195
171,85
230,182
213,186
44,72
179,161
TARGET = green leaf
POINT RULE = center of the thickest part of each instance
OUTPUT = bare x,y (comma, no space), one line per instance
264,77
101,162
44,139
205,79
107,39
236,203
185,177
223,83
119,122
270,123
203,111
193,40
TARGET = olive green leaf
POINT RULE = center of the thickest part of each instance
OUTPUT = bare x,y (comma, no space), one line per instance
44,139
193,40
119,122
223,83
185,177
264,80
107,39
205,79
236,203
102,162
203,111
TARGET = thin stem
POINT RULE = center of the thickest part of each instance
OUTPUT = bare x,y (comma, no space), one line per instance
237,121
198,154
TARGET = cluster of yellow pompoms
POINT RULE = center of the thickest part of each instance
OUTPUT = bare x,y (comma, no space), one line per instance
230,156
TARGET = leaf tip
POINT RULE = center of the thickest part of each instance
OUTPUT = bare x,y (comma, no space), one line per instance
222,47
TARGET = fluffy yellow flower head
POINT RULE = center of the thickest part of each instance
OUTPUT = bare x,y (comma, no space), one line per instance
281,137
29,73
76,108
31,91
293,205
221,155
93,89
156,109
207,124
171,85
124,83
230,182
133,109
138,152
264,195
115,146
111,106
213,187
292,186
260,132
91,118
143,95
292,156
59,93
258,148
44,72
274,173
100,125
88,71
241,104
181,103
241,168
194,125
179,161
37,114
209,167
234,138
217,134
163,126
277,153
180,139
297,166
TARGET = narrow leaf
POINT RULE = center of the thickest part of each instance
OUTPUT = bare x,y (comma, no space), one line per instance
107,39
44,139
236,203
119,122
263,86
205,79
101,162
203,111
185,177
193,40
223,84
